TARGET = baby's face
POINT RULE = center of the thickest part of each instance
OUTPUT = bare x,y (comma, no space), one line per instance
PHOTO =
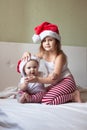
31,68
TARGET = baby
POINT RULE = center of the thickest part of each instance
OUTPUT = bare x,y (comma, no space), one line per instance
30,92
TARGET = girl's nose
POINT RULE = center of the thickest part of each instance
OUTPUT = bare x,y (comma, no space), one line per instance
47,42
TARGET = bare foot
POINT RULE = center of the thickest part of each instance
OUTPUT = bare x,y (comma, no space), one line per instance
27,96
76,96
22,99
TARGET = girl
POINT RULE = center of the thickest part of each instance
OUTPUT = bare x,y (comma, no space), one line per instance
62,86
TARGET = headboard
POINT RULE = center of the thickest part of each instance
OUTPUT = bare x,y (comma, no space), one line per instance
11,52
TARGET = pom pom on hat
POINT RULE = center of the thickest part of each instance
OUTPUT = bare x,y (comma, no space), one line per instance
36,38
46,29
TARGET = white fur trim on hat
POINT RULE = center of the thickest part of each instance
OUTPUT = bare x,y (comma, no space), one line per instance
21,66
49,33
36,38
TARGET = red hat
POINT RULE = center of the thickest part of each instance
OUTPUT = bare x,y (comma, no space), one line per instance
46,29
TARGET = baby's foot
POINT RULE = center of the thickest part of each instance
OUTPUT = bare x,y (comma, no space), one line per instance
27,96
76,96
22,99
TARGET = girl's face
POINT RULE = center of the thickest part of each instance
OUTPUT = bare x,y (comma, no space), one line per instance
49,43
31,68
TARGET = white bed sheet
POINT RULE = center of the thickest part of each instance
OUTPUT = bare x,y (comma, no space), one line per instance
16,116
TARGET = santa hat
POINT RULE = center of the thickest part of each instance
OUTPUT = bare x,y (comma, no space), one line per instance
23,63
46,29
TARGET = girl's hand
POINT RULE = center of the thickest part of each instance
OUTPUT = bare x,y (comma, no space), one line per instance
26,55
33,79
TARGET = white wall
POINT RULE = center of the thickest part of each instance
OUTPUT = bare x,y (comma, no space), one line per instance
10,53
77,61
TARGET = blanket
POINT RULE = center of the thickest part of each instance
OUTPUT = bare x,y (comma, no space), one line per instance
9,92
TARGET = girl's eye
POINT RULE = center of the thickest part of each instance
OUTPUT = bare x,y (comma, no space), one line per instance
44,40
50,39
28,67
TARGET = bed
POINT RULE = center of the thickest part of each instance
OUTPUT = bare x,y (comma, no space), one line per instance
16,116
32,116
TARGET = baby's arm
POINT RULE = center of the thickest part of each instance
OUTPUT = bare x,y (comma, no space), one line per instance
23,84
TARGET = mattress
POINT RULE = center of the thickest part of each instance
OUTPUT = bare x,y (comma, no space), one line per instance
32,116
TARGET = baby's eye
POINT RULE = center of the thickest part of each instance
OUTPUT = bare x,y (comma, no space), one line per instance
34,67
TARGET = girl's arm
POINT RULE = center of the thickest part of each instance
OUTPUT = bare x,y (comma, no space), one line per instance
59,63
55,75
26,55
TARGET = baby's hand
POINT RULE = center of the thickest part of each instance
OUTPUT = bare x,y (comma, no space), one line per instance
33,79
26,55
26,80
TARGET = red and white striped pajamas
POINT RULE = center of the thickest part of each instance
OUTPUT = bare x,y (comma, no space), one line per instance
36,98
61,92
31,98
